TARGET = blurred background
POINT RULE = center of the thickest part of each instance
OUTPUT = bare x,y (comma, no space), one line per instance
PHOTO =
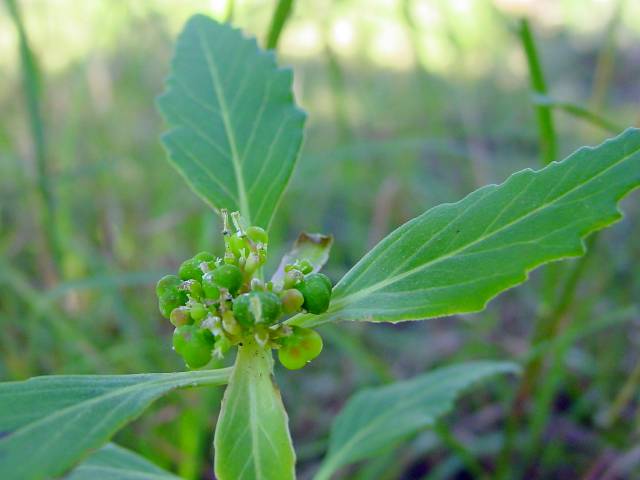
411,103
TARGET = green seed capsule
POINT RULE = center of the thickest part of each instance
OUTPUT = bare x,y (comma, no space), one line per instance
292,301
205,257
227,276
190,269
209,286
170,301
170,295
310,341
194,345
302,346
168,283
240,246
198,312
292,358
257,235
316,290
180,316
257,307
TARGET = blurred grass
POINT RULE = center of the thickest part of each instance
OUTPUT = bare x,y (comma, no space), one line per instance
410,104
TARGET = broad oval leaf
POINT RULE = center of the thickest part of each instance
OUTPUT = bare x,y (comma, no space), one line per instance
456,257
252,440
235,130
377,418
313,247
47,424
113,462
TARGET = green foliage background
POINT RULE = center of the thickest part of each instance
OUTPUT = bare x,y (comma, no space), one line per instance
410,104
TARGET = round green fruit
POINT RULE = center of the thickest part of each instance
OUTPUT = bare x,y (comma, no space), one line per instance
190,269
170,295
292,358
292,301
257,235
257,307
180,316
209,286
167,284
198,312
194,345
227,276
239,245
302,346
316,290
309,341
193,288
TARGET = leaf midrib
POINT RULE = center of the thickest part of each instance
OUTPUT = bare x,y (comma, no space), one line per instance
114,393
365,429
224,112
379,285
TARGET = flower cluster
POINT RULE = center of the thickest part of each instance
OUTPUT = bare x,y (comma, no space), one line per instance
217,302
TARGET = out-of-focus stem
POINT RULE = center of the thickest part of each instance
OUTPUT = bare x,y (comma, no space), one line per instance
606,60
546,129
32,93
280,16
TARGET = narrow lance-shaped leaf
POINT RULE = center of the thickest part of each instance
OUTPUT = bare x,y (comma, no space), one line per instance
252,440
235,130
456,257
377,418
47,424
312,247
113,462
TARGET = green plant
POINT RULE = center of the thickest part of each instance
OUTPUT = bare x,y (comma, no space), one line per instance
234,136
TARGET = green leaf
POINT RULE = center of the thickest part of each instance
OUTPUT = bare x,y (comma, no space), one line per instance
456,257
113,462
377,418
252,439
48,423
235,130
313,247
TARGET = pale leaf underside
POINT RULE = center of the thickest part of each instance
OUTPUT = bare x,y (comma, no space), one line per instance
312,247
252,440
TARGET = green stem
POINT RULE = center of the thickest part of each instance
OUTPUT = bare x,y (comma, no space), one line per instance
624,397
280,16
469,460
32,92
546,129
606,60
229,11
547,328
582,113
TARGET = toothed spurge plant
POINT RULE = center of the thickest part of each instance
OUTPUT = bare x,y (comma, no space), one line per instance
234,135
